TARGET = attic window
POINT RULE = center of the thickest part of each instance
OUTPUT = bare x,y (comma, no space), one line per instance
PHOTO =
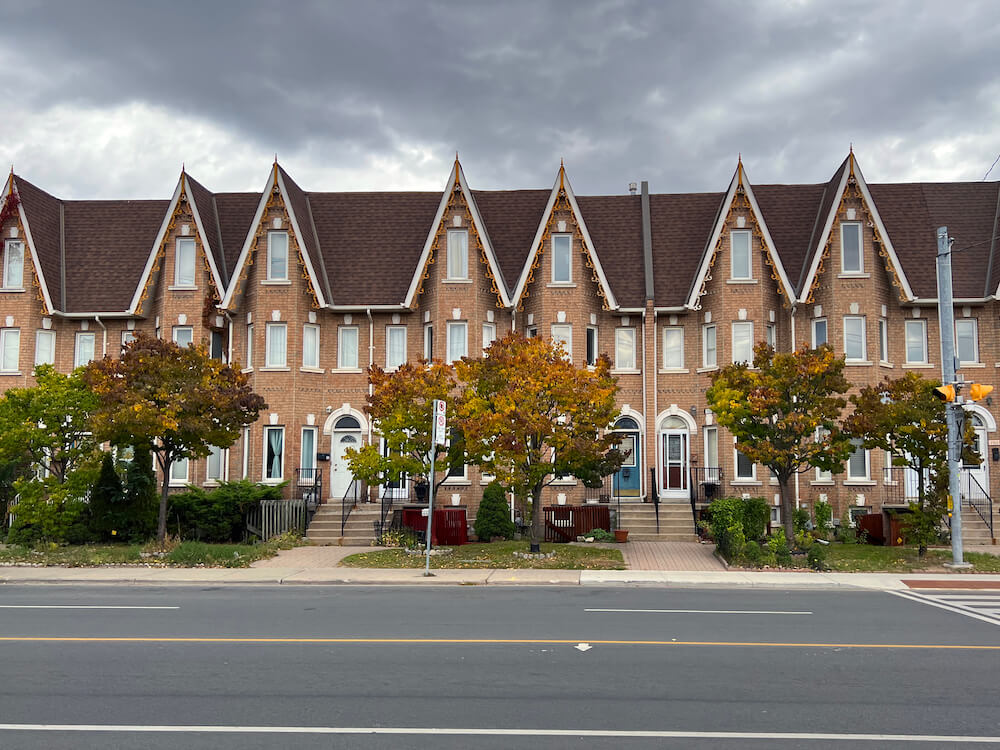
561,246
851,260
184,263
13,264
277,256
740,243
458,254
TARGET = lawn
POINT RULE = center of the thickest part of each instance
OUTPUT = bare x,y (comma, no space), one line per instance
183,555
495,555
865,558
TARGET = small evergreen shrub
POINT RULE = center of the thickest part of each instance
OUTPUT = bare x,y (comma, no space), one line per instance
824,519
778,546
800,519
600,535
493,516
756,514
734,520
753,555
217,515
816,557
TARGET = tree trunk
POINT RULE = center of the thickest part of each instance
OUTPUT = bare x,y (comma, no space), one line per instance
161,525
537,521
787,519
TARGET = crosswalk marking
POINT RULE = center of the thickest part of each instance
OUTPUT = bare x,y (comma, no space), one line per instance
983,606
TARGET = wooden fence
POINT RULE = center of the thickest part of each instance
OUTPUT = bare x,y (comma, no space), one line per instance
275,517
564,523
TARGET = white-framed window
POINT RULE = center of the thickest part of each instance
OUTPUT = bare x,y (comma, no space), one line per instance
127,338
883,340
184,262
458,254
277,256
276,345
395,346
83,351
673,348
771,335
458,340
967,340
457,471
274,454
489,334
712,453
307,454
591,346
916,342
740,266
347,348
821,474
183,336
310,346
819,332
531,332
179,471
709,347
215,464
561,259
249,361
10,349
45,347
746,470
428,342
743,342
13,264
858,467
855,345
851,257
245,462
562,333
216,346
624,348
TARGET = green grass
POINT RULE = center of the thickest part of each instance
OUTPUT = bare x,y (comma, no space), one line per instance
183,555
496,555
865,558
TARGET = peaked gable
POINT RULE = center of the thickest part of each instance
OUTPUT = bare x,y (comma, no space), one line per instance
40,217
615,223
511,218
681,227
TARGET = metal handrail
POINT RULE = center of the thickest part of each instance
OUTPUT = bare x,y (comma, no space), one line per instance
387,499
310,480
345,506
983,505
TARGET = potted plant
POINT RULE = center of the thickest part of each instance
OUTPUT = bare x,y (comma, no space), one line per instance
420,489
621,535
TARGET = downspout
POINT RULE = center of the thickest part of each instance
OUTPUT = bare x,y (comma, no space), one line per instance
791,318
104,343
647,267
229,354
642,479
371,390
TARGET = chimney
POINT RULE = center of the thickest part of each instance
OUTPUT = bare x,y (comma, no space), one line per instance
632,187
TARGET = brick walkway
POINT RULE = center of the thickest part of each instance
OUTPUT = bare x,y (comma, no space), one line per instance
670,556
310,557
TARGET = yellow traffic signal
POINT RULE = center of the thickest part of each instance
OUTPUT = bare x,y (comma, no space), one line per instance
945,392
978,391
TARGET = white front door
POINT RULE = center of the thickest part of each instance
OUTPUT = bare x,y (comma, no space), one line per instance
674,454
979,473
340,472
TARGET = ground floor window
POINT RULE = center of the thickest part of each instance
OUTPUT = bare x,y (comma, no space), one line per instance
274,453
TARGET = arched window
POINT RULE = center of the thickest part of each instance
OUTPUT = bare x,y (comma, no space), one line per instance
347,423
626,423
673,423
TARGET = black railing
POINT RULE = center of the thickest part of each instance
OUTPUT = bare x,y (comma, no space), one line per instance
654,493
978,499
348,502
601,494
705,483
309,482
901,485
387,498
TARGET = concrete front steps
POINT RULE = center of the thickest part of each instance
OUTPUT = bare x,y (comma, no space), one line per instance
676,524
974,529
358,532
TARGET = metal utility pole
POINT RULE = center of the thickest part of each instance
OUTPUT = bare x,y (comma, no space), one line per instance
438,432
953,409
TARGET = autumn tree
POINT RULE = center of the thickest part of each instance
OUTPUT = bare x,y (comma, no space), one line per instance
903,417
785,413
530,416
178,401
399,405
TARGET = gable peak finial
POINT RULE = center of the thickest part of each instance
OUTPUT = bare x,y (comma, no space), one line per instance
852,147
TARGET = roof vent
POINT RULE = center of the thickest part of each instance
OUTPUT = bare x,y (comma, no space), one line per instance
632,187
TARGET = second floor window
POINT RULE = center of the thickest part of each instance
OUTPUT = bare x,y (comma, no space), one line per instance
966,340
489,334
249,361
591,346
10,349
855,346
84,350
851,260
458,254
673,348
740,256
428,342
13,264
819,332
184,262
916,342
709,349
277,345
277,256
310,346
883,340
347,351
561,256
395,346
857,463
743,342
45,348
624,348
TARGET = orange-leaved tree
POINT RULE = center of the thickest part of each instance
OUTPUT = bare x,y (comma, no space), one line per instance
178,400
529,416
785,413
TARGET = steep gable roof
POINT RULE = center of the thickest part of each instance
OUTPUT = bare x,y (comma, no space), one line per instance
615,224
511,218
791,213
681,227
207,217
41,213
235,212
299,211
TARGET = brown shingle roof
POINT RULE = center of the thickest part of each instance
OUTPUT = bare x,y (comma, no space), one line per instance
236,212
204,200
615,226
42,212
681,228
511,218
371,242
790,212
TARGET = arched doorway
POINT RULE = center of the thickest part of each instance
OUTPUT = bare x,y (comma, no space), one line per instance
627,481
675,458
346,434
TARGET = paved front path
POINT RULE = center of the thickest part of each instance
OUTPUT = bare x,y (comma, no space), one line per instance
670,556
312,556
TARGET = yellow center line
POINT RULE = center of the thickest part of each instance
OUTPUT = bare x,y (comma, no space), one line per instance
487,641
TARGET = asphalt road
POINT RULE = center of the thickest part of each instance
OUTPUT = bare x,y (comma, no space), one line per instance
292,667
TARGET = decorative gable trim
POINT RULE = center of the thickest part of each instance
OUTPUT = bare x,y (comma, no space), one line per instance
153,261
479,239
563,198
310,273
741,195
853,185
240,271
206,248
10,195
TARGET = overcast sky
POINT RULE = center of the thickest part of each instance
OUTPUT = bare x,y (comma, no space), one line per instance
107,99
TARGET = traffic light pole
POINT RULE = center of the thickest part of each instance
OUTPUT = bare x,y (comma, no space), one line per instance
953,409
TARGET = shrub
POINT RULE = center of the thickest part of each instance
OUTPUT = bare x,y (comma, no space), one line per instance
734,520
801,519
824,518
493,516
405,538
49,511
756,514
778,546
217,515
753,555
816,557
600,535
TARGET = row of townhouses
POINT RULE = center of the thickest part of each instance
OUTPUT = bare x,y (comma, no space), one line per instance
305,290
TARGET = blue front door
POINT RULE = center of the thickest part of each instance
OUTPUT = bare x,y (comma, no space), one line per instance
626,480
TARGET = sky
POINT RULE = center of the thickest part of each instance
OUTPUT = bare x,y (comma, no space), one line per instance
103,99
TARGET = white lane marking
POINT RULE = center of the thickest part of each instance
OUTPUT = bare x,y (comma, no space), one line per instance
956,608
583,647
456,731
76,606
705,611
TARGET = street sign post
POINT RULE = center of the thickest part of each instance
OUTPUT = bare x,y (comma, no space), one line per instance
439,430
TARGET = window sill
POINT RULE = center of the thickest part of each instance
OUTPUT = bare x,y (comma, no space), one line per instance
971,365
318,370
631,371
277,480
276,282
889,365
212,483
456,482
12,290
563,483
713,368
860,483
741,281
822,483
917,366
177,483
858,363
674,371
456,281
854,275
10,372
346,370
275,369
176,288
561,285
746,483
246,370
